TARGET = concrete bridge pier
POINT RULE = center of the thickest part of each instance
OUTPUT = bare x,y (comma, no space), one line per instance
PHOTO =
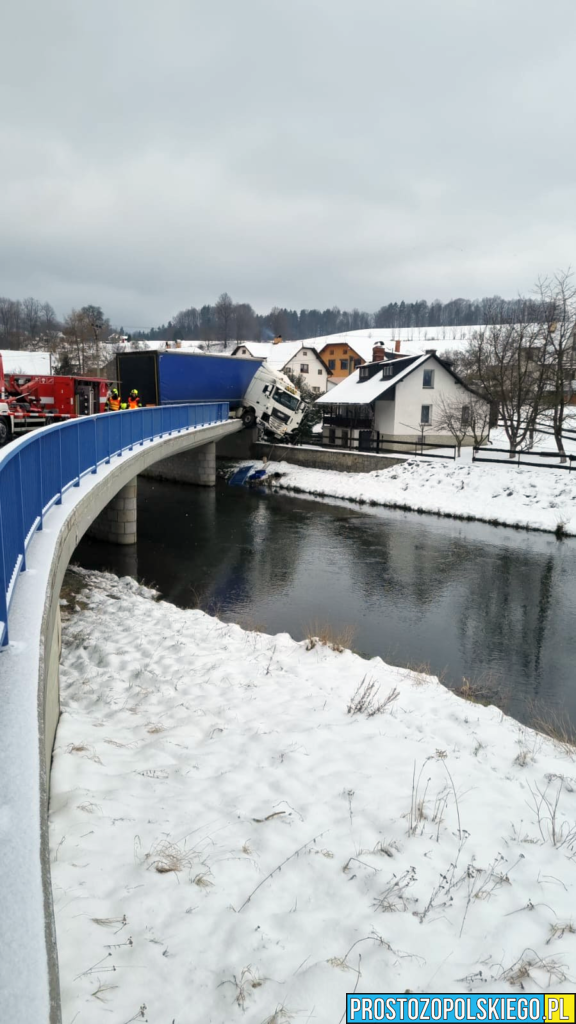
195,466
117,523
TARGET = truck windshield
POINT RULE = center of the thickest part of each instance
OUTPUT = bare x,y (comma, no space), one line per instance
283,398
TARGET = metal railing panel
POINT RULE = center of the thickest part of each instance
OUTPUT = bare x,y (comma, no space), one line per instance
38,468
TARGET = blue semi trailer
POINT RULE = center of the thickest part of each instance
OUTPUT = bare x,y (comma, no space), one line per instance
255,392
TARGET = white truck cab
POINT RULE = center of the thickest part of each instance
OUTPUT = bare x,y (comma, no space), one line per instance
273,402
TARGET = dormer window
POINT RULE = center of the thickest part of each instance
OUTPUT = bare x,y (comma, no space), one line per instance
387,371
364,373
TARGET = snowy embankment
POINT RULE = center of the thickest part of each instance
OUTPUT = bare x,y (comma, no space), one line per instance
537,499
240,832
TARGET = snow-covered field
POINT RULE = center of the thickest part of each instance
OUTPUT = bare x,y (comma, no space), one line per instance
234,838
539,499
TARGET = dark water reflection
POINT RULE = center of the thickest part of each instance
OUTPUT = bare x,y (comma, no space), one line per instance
493,605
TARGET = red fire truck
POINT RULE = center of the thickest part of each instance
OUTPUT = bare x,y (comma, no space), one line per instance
28,401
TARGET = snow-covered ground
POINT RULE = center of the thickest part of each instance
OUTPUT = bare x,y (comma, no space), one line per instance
538,499
235,838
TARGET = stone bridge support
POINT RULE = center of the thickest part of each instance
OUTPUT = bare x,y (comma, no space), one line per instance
117,523
196,466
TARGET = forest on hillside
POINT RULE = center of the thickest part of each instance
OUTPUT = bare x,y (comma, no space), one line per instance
30,323
227,320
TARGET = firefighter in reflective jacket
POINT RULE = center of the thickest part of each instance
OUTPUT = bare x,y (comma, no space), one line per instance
133,400
113,403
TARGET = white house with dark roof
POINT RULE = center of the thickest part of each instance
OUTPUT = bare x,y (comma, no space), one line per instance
395,398
297,357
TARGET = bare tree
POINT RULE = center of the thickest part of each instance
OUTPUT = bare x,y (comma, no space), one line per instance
49,325
77,340
11,323
279,322
31,317
224,311
507,365
479,419
455,416
244,322
98,328
557,296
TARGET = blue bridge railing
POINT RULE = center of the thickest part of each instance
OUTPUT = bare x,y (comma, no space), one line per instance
38,469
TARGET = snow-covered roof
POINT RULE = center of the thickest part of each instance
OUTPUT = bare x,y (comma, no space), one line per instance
17,361
277,356
413,340
354,391
159,345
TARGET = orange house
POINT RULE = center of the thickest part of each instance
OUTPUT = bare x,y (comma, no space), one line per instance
342,360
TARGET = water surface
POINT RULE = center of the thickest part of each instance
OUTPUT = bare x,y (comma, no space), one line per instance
490,604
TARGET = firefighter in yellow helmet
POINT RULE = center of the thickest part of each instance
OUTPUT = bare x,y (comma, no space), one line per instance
114,402
133,400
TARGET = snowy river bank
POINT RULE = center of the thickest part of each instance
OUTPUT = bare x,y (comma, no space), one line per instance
240,831
531,499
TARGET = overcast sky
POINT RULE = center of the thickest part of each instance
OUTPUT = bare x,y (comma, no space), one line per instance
292,152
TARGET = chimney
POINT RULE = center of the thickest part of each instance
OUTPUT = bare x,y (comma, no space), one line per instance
378,354
277,339
397,345
430,351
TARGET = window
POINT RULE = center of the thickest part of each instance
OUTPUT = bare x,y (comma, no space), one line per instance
303,367
344,351
428,381
426,415
332,436
320,372
387,371
465,419
331,351
357,363
283,398
304,352
364,373
343,364
344,438
331,364
317,390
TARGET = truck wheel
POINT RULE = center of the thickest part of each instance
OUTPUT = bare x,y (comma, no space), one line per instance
4,432
249,417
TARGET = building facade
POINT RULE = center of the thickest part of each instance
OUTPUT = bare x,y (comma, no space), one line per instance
400,399
293,357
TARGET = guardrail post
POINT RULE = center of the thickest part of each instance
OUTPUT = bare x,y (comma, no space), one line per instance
59,498
20,499
108,445
3,600
95,466
41,488
77,480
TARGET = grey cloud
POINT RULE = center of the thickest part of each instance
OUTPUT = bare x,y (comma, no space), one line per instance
309,153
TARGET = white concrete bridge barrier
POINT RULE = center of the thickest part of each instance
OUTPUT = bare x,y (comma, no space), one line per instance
29,694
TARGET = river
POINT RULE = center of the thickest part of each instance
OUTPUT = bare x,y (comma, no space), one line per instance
490,605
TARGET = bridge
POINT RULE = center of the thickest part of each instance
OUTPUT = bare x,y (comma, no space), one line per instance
55,483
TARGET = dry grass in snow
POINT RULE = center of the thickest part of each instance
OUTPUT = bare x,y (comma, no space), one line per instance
305,823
